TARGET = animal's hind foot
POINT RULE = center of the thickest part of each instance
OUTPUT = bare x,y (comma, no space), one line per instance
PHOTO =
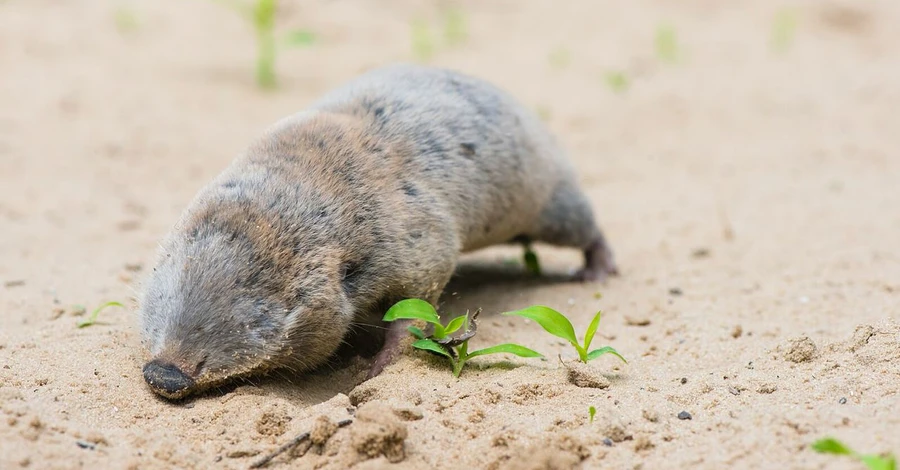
598,262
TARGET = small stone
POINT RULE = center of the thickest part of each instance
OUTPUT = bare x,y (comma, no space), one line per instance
675,291
684,415
607,442
734,390
85,445
843,401
737,331
767,388
683,380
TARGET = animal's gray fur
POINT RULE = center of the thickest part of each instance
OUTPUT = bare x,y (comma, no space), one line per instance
364,199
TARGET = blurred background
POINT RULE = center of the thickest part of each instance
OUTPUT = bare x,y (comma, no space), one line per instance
741,156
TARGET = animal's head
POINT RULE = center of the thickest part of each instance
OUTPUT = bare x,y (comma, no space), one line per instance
236,293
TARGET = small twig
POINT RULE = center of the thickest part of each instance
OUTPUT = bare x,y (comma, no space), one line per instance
290,445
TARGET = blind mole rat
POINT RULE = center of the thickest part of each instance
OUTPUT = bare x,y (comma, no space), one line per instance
364,199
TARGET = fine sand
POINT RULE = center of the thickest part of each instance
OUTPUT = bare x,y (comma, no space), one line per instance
749,190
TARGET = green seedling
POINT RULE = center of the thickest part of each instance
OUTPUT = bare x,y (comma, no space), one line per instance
830,445
666,44
617,81
455,31
591,412
126,20
261,13
93,317
531,261
783,30
422,40
558,325
451,340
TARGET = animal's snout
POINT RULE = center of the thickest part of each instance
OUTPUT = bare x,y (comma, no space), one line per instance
167,379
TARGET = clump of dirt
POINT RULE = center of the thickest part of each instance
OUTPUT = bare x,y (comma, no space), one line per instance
322,430
563,452
800,349
379,432
585,376
272,423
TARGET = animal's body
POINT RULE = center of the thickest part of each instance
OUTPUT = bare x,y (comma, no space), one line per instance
364,199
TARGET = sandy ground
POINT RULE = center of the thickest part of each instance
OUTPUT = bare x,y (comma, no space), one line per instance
750,195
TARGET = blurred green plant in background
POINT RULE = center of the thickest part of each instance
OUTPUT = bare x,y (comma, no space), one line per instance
261,13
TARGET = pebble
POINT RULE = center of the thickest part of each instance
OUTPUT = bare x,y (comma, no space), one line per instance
843,401
607,442
684,415
85,445
675,291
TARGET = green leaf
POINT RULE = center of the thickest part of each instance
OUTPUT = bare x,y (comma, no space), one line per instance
592,411
429,345
300,37
93,318
413,309
831,446
877,462
419,334
604,350
264,15
510,348
592,328
554,322
455,324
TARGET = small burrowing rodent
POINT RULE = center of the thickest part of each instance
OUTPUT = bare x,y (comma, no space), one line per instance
335,213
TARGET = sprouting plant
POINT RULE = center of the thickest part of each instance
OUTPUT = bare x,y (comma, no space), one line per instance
531,260
422,42
783,29
454,26
617,81
450,340
666,43
591,412
830,445
125,19
261,13
90,320
558,325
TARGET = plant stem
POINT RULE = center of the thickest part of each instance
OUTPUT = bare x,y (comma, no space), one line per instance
463,353
582,353
265,62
